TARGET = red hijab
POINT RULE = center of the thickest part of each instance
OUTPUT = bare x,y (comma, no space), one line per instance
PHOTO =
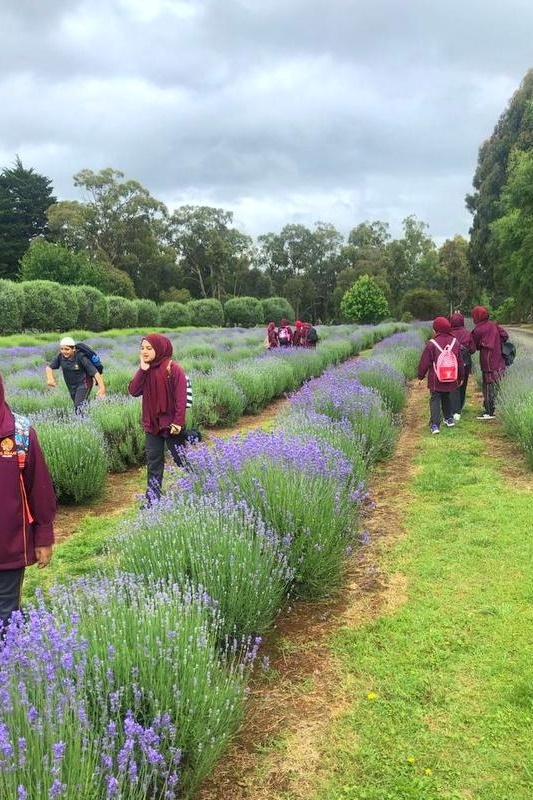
156,391
7,421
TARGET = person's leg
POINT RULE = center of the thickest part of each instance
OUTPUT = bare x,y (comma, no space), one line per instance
491,398
434,409
10,589
155,464
80,398
455,402
446,402
462,389
486,395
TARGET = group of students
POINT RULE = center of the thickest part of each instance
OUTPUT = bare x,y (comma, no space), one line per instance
27,497
448,392
303,335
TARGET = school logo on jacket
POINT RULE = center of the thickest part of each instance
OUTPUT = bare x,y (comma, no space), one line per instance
7,447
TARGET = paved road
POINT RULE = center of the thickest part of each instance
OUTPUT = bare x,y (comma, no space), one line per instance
522,338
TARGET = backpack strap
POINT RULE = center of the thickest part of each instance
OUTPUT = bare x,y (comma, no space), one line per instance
22,444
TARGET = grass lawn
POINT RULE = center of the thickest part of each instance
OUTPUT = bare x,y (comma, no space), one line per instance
442,689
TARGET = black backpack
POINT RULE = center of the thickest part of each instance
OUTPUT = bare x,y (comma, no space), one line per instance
466,355
508,352
93,357
312,335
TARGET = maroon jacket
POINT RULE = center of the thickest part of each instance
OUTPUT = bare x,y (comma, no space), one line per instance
19,536
461,333
175,414
429,358
488,338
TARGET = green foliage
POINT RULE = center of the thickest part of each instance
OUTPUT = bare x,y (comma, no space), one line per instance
247,312
120,420
76,457
424,304
277,308
93,313
48,306
206,313
147,313
506,311
24,197
174,315
52,262
122,312
12,300
365,302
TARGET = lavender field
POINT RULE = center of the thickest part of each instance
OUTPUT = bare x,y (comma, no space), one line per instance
129,684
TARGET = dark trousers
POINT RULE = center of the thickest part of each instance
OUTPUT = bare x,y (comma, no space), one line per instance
436,401
490,392
10,589
80,396
458,397
155,461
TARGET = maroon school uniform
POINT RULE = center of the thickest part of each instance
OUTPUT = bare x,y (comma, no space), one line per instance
429,358
463,336
488,338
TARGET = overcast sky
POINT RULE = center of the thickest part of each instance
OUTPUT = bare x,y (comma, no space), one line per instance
278,110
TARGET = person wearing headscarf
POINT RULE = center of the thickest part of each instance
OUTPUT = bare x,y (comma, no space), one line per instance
440,392
78,371
298,337
27,506
488,338
162,384
467,347
271,339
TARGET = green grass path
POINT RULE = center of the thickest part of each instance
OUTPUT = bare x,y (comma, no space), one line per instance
442,690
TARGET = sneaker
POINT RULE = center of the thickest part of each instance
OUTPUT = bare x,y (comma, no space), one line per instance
486,416
434,428
449,422
457,416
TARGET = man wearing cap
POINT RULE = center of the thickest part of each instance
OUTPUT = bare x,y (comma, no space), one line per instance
78,372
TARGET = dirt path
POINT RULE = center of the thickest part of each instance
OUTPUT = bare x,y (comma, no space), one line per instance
303,697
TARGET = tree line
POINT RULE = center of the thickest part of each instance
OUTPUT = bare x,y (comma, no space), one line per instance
123,241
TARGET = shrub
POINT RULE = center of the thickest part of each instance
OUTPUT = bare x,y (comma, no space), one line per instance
120,421
206,313
52,262
122,312
93,314
174,315
424,303
48,306
247,312
12,297
277,308
147,313
365,302
75,452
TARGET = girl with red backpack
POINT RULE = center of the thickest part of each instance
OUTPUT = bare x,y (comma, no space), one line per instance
442,363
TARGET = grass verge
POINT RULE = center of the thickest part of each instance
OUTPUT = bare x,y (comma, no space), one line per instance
442,690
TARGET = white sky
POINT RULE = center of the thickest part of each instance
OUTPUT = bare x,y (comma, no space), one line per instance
278,110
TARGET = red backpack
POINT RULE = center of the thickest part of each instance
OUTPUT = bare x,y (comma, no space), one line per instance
445,367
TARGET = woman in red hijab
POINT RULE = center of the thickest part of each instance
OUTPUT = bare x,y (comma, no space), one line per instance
162,384
27,506
488,338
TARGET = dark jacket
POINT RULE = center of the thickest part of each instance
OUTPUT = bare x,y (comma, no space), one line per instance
428,360
488,338
175,414
19,536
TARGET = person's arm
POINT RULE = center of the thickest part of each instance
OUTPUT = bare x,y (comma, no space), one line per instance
136,385
49,370
179,394
424,363
41,500
100,383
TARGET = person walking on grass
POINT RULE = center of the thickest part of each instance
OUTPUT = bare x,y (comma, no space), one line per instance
78,371
464,337
27,506
162,384
440,391
488,338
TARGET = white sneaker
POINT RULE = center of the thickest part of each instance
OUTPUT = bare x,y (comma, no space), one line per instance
457,417
486,416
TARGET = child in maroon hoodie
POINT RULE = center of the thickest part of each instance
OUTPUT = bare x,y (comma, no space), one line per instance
468,347
440,393
162,383
488,338
27,506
